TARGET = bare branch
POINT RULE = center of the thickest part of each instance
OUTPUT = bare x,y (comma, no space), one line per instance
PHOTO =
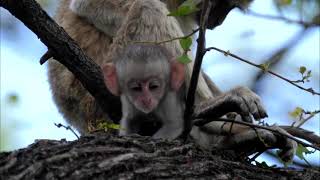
304,120
227,53
168,40
66,51
276,57
196,69
67,128
282,18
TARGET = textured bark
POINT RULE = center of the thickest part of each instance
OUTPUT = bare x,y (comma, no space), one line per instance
103,156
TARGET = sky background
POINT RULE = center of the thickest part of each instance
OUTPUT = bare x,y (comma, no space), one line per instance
32,114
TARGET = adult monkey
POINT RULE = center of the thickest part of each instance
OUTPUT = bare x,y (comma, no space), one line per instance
75,103
80,109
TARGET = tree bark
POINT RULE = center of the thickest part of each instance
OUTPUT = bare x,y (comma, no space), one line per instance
104,156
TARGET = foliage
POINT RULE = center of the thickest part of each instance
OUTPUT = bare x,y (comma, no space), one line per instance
186,8
106,126
305,75
186,46
301,151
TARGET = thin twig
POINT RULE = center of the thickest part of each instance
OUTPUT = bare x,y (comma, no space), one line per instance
206,7
294,162
67,128
201,122
311,115
276,57
255,156
281,18
227,53
168,40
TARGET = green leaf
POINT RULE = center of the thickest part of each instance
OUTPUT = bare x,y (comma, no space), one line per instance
114,126
184,59
265,66
186,8
284,2
186,43
300,150
309,74
302,69
106,126
13,98
297,112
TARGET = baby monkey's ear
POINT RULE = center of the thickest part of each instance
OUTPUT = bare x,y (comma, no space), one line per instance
177,74
111,79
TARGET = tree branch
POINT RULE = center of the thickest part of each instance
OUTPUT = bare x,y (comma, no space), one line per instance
101,156
280,53
227,53
66,51
196,69
282,18
168,40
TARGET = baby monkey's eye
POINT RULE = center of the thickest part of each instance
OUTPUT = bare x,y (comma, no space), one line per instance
135,87
154,85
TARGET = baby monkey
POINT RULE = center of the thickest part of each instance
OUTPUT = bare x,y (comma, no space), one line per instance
148,80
